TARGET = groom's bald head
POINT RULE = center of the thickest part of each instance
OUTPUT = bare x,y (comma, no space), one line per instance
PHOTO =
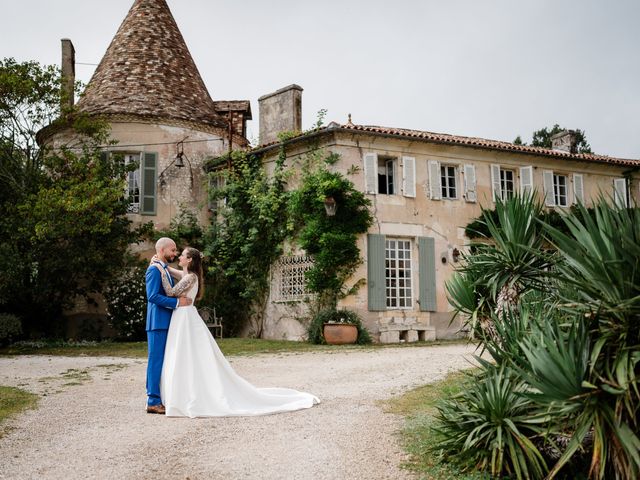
166,249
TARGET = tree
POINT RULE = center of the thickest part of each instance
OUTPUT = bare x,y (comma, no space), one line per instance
63,228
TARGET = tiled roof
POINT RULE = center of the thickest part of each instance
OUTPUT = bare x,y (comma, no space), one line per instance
485,143
148,71
473,142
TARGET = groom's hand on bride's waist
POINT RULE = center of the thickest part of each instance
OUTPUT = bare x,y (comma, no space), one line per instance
184,301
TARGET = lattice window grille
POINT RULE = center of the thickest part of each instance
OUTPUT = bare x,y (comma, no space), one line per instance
290,278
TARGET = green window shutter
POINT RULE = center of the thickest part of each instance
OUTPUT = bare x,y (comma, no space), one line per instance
149,183
427,273
375,272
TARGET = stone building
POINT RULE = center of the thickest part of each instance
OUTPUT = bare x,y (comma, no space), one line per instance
161,116
424,188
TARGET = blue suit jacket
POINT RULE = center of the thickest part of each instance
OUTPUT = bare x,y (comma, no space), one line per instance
159,306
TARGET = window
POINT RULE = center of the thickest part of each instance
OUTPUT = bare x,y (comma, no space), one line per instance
620,195
133,183
291,284
560,190
386,175
556,189
448,181
216,182
398,273
503,182
506,183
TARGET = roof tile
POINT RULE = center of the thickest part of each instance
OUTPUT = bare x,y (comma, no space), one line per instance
148,71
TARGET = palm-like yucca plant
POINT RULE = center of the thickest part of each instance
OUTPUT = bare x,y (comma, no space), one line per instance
470,297
507,262
601,269
513,326
489,427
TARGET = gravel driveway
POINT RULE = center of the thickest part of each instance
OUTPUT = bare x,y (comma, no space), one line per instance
91,423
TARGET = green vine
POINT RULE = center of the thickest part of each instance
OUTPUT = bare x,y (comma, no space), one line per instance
246,239
260,213
330,239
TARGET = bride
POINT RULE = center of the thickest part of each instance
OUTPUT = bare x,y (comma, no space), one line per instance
197,381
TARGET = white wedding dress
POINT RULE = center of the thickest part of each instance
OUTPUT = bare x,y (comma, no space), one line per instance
197,381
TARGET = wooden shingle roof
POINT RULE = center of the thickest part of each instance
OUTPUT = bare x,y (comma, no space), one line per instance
148,71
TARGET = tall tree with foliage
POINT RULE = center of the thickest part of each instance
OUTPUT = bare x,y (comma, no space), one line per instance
63,226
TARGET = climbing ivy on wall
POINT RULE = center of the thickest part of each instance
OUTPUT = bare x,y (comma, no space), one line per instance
246,239
330,239
260,214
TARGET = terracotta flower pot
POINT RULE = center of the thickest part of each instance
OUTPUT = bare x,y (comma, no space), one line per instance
340,333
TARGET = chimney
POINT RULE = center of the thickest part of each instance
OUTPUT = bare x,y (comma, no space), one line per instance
280,111
68,79
565,141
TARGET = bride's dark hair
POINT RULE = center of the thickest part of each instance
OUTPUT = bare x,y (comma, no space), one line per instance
196,267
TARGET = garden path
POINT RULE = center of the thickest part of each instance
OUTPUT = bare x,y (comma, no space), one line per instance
91,423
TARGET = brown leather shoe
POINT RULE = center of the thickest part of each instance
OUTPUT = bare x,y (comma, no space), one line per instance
156,409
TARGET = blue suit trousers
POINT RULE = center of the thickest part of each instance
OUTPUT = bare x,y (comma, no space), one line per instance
157,340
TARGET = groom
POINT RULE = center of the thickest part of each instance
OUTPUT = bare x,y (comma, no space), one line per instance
159,310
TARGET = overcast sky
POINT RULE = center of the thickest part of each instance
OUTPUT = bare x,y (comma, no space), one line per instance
484,68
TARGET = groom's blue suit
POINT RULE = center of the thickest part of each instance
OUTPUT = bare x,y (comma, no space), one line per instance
159,310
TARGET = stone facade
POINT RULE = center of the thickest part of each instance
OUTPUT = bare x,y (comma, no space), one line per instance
148,88
416,210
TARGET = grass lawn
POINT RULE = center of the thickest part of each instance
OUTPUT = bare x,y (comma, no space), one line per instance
13,401
229,346
418,407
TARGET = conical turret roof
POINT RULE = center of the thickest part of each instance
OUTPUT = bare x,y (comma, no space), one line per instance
148,71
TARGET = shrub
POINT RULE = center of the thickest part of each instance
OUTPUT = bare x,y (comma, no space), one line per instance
336,316
488,426
567,324
127,304
10,328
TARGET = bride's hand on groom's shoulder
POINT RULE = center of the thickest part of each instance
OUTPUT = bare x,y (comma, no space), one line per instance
154,259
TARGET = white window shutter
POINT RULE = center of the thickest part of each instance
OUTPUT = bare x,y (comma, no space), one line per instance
409,176
394,178
549,197
371,173
578,188
435,183
620,192
526,180
470,183
496,187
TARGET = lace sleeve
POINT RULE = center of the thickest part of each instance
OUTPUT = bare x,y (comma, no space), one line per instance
181,287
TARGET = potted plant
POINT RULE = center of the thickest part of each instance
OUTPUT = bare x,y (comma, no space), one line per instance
337,327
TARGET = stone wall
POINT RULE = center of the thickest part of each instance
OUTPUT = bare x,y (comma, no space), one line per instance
405,217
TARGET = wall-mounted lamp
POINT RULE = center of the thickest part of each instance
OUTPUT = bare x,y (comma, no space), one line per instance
330,206
178,161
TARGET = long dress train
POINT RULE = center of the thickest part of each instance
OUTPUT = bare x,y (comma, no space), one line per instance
197,380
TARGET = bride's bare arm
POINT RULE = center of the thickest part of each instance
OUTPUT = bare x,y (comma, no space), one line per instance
181,287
